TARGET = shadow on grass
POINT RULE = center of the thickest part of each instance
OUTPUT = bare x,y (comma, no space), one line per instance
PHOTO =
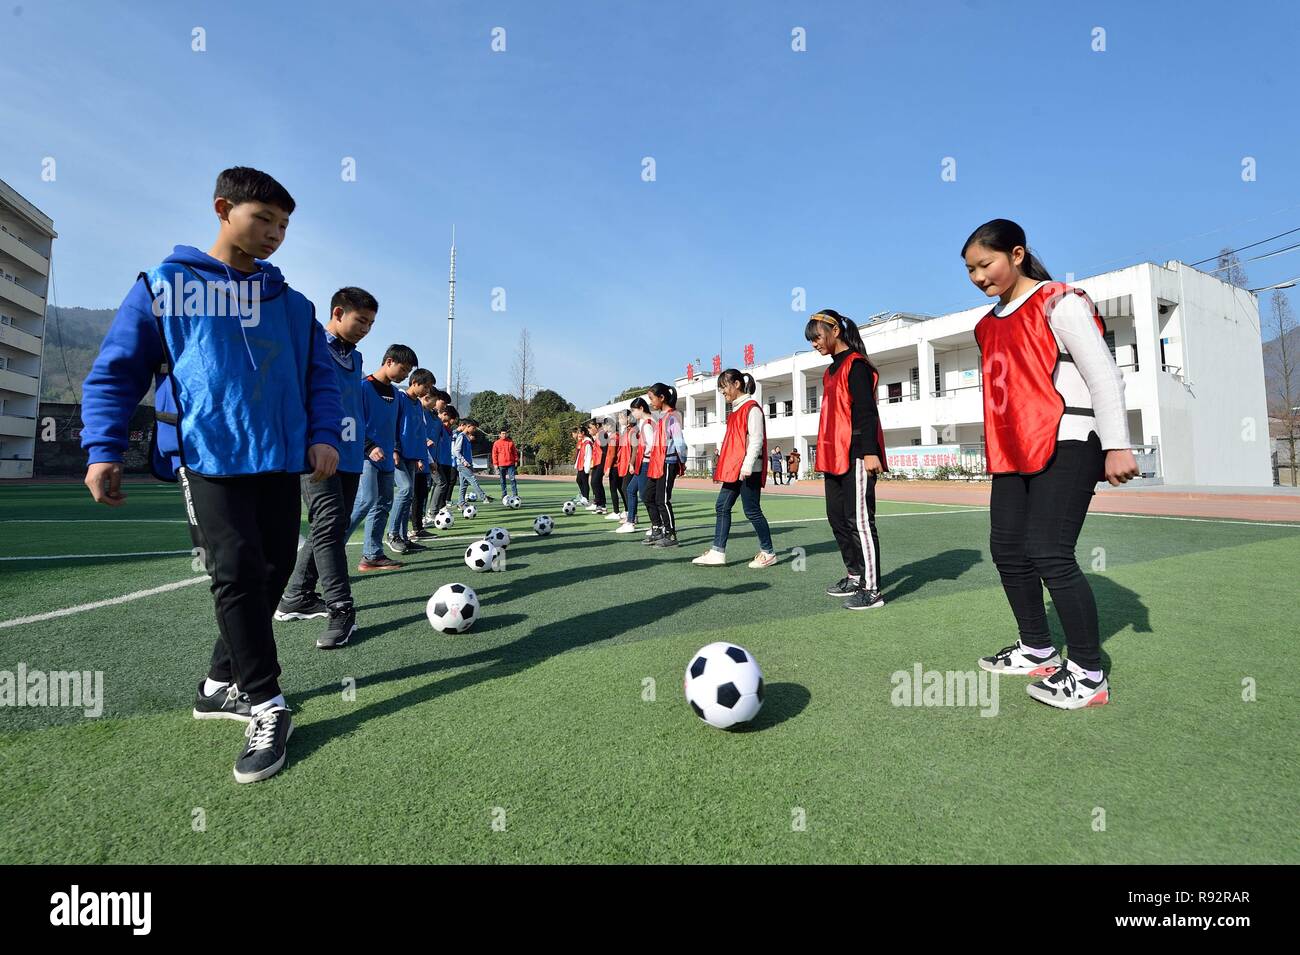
781,702
495,663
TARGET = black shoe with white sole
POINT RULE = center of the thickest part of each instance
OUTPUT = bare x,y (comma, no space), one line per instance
268,744
847,587
396,545
656,534
666,540
226,703
302,607
342,625
864,600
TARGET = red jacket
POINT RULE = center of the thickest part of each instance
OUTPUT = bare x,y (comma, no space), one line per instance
624,460
731,456
835,425
1018,358
505,453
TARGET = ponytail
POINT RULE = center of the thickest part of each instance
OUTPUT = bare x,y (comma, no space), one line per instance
1003,235
666,393
736,376
848,329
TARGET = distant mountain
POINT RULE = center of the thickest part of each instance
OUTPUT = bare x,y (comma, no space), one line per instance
72,340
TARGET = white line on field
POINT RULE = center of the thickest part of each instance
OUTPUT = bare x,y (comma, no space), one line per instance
68,611
1200,520
137,553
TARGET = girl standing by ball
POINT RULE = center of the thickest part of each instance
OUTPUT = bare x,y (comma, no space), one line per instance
1054,426
667,460
642,438
582,463
742,471
850,454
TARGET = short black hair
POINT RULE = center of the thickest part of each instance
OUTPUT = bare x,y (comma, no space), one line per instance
243,184
402,355
422,376
451,412
351,299
504,431
440,395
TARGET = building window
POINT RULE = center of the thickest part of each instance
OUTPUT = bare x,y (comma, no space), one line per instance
895,392
916,383
1110,342
771,408
812,400
701,417
938,380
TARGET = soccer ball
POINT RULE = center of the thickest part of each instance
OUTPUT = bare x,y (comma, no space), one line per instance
543,525
453,608
569,508
724,685
514,501
470,510
481,555
498,537
471,495
443,520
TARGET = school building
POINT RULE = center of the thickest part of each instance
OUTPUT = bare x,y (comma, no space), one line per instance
26,237
1188,345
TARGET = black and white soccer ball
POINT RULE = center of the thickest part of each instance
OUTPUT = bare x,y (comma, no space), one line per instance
470,511
498,537
471,495
568,508
543,525
453,608
514,501
481,555
724,685
443,520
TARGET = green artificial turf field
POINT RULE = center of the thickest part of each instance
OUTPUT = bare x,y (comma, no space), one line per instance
537,735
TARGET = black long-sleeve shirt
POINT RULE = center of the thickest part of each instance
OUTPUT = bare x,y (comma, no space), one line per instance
862,398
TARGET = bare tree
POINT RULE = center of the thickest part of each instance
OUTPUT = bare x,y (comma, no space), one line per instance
524,370
1285,359
459,386
1230,269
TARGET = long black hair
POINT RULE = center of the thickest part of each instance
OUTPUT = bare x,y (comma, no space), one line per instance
1003,235
742,378
849,333
639,403
666,393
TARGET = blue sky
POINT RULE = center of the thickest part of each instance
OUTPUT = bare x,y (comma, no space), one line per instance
775,169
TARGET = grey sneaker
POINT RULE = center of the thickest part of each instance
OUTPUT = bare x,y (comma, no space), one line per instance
268,736
225,704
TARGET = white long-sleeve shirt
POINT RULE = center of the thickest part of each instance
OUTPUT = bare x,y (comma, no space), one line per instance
1091,380
754,430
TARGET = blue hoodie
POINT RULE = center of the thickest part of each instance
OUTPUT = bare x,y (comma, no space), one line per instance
243,381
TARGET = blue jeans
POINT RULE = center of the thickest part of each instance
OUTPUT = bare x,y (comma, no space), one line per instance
467,477
634,489
748,491
403,496
509,472
374,501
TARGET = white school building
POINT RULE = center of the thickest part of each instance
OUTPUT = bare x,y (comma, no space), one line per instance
1188,345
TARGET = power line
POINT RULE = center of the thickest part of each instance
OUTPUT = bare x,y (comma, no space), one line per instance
1256,258
1245,247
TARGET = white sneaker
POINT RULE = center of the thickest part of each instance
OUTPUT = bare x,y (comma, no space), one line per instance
1014,661
711,558
1069,689
590,507
616,517
625,528
763,560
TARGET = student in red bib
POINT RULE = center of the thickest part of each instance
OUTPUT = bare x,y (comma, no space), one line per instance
1054,426
641,439
850,454
615,464
667,460
582,463
742,471
597,472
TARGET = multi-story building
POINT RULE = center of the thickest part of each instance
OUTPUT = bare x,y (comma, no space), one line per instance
26,238
1188,345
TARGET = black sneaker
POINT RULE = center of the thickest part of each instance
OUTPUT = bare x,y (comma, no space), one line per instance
666,540
396,545
302,607
225,704
268,736
412,546
864,600
656,534
847,587
342,625
419,534
382,562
